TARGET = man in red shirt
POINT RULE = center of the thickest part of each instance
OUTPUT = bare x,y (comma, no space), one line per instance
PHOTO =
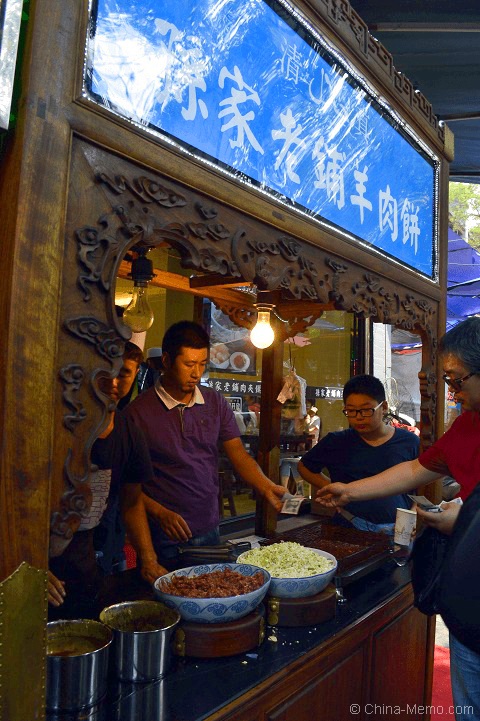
457,454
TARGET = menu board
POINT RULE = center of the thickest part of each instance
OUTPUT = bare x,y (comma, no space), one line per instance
231,350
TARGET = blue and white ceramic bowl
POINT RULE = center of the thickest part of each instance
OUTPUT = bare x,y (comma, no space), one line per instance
304,586
214,610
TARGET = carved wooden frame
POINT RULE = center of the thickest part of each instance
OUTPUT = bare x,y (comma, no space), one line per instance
115,204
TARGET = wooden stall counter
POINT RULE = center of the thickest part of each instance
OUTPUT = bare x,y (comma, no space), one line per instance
371,657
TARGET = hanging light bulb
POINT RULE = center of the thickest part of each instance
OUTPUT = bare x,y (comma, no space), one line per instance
138,315
262,335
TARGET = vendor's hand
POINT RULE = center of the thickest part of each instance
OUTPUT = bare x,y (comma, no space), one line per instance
56,590
273,494
150,570
333,495
444,521
173,525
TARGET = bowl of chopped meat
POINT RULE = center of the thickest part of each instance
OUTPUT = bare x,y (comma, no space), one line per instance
214,592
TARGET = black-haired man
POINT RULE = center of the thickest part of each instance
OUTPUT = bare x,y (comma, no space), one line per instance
369,445
183,426
120,464
457,454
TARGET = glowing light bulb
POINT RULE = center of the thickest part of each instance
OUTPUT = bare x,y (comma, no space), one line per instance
262,334
139,315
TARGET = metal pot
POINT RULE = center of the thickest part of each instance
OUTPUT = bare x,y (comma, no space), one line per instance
77,663
144,702
142,638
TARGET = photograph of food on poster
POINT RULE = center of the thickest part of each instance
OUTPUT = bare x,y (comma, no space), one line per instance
230,347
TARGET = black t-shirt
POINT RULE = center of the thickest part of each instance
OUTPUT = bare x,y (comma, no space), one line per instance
125,451
347,457
459,597
126,454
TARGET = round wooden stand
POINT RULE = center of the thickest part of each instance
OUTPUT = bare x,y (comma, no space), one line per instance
301,611
213,640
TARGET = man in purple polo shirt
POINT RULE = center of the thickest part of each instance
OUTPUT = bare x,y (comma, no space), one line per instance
183,426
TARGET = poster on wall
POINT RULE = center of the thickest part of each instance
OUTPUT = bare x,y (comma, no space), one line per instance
231,349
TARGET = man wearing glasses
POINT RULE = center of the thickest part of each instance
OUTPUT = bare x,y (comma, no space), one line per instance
457,454
368,446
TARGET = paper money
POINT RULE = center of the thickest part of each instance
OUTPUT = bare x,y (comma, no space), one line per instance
291,504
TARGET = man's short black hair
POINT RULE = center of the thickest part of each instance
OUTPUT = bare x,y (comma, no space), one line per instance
366,385
184,334
463,341
133,352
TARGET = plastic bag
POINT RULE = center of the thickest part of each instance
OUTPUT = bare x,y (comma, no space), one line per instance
291,396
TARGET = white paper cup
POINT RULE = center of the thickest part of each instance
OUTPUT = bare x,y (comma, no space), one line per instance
405,524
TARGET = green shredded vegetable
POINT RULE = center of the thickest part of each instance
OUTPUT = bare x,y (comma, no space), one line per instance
287,560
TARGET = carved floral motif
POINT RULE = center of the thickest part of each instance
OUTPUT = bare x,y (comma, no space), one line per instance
144,188
99,334
94,249
73,377
149,211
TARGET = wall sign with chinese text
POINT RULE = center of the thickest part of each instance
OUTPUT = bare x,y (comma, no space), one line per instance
248,86
229,385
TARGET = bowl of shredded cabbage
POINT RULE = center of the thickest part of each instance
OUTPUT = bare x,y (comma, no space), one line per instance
296,571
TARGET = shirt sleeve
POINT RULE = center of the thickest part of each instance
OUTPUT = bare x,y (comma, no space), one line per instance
434,458
228,425
138,467
315,460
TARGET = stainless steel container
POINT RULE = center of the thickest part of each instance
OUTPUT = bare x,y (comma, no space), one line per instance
77,663
142,638
99,712
141,702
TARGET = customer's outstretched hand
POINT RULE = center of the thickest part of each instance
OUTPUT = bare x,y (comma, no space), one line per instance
333,495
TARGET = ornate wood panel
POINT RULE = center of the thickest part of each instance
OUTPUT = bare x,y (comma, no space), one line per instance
114,204
70,209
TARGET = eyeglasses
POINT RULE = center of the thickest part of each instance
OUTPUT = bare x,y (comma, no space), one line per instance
364,412
457,383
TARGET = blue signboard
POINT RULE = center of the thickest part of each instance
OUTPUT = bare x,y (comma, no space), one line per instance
247,85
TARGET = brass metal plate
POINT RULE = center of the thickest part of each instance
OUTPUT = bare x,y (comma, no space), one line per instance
23,617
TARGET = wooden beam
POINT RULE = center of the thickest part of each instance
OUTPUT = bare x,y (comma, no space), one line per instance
300,308
419,27
172,281
455,117
270,422
215,279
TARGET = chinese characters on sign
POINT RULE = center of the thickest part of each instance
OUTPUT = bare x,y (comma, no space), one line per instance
235,403
231,386
228,386
248,86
